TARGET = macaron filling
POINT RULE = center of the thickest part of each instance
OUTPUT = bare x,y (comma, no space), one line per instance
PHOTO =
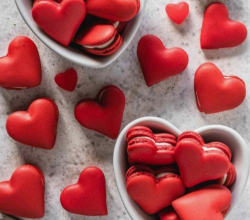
211,149
102,46
156,143
164,174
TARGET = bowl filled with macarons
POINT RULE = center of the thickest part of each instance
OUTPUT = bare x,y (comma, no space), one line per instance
164,173
90,33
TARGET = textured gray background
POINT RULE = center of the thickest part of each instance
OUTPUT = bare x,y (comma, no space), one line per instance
173,100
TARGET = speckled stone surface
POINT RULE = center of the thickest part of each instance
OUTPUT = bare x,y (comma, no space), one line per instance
172,99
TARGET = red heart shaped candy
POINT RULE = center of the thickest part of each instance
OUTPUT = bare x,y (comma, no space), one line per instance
152,193
114,10
23,194
67,80
104,114
88,196
209,203
37,127
218,31
177,12
157,62
215,92
59,20
21,68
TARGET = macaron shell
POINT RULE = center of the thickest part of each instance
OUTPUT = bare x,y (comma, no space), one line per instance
221,146
191,135
168,214
231,176
139,131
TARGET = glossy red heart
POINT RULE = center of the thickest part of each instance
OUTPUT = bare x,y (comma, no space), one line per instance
177,12
21,68
157,62
209,203
37,127
88,195
67,80
23,194
114,10
218,31
215,92
153,191
104,113
59,20
197,164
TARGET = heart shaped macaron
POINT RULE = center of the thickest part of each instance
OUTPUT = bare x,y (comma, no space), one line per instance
37,127
88,195
104,113
23,194
114,10
168,214
215,92
21,68
67,80
59,20
218,31
99,39
200,162
153,190
177,12
157,62
144,147
211,202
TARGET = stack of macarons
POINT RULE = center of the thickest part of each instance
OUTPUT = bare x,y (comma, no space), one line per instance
170,176
94,25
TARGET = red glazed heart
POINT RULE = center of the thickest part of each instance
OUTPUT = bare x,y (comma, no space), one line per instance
218,31
21,68
144,147
88,196
215,92
37,127
157,62
23,194
199,163
104,113
67,80
114,10
59,20
152,193
212,201
177,12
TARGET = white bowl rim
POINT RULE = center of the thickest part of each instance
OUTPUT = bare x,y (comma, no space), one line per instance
122,192
72,56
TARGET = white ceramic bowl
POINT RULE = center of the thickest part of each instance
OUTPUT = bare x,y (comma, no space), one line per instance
209,133
76,55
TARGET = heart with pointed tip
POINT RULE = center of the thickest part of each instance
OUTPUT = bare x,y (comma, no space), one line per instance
177,12
67,80
21,68
23,194
88,195
104,113
37,127
218,31
114,10
157,62
59,20
212,201
215,92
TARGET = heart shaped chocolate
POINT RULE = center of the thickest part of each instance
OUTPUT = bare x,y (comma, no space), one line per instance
177,12
21,68
67,80
157,62
23,194
37,127
215,92
88,195
218,31
104,113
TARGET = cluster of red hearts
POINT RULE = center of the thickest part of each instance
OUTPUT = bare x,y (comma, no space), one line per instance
171,177
214,92
92,24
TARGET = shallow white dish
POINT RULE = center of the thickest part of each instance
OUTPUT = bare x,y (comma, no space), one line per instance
209,133
76,55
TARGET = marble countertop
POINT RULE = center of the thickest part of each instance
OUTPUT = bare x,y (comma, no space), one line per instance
172,99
